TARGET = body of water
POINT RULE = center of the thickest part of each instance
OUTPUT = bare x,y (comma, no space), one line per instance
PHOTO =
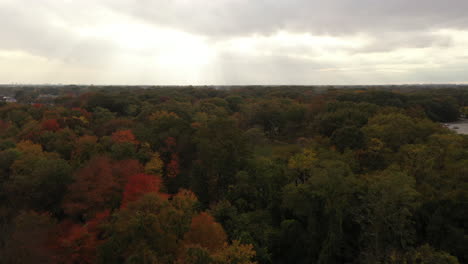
461,126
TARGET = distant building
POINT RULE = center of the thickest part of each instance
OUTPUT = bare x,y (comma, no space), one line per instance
7,99
47,96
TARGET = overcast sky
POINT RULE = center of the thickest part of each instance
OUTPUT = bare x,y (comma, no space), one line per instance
233,41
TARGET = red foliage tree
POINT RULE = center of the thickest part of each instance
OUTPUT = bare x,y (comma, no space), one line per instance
163,99
50,125
114,125
122,170
124,136
94,189
78,243
140,184
4,125
173,168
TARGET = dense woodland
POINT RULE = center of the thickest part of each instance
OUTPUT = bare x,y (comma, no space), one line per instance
240,175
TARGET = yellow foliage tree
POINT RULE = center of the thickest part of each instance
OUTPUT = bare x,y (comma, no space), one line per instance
162,114
302,163
155,165
28,147
235,253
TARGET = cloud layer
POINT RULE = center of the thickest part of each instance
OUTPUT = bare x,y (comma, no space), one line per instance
233,41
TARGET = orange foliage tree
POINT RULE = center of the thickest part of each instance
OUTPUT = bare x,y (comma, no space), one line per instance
205,232
140,184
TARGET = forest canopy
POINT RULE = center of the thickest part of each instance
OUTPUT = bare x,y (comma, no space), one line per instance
233,175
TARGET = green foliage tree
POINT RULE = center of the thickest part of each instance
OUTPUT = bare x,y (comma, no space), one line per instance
222,151
38,180
320,206
386,213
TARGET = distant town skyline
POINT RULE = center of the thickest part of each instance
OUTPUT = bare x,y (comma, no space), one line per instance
233,42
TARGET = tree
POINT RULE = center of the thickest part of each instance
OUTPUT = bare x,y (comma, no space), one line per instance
124,136
4,126
62,142
344,114
205,232
154,165
102,115
348,137
147,230
32,240
418,160
124,150
428,255
320,206
173,167
374,156
235,102
236,253
385,215
95,189
397,129
424,254
394,130
154,229
77,243
7,158
38,179
114,125
302,163
50,125
124,169
140,184
85,148
163,125
222,151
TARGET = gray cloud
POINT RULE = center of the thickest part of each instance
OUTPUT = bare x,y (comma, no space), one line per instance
26,29
393,24
241,17
41,30
48,29
388,41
